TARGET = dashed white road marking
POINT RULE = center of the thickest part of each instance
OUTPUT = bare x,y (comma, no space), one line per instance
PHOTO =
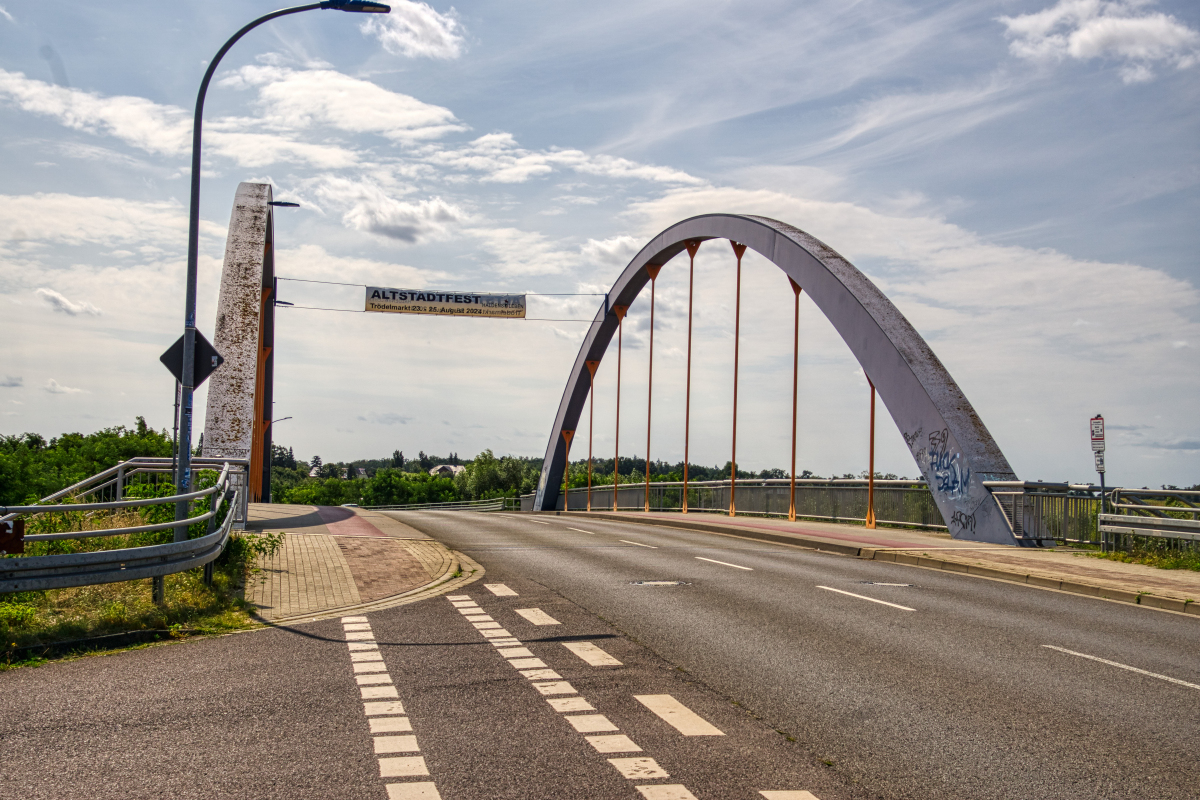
354,619
378,692
370,666
515,652
724,563
390,725
499,632
464,604
468,611
507,642
677,715
369,680
538,521
362,646
377,709
864,597
591,723
639,768
537,616
527,663
557,687
486,626
639,544
477,618
396,744
458,597
541,674
403,767
356,626
565,704
418,790
592,654
360,636
369,655
789,795
1167,678
581,530
500,590
613,743
666,792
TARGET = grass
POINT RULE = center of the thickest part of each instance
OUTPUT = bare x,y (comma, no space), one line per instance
1156,554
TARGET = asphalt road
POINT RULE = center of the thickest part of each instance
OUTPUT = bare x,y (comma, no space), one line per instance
776,685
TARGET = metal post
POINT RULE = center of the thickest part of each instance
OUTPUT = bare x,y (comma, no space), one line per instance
1103,538
795,396
692,247
121,481
620,312
738,249
871,465
567,471
158,590
653,269
591,366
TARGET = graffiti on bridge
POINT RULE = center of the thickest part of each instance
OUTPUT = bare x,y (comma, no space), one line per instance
965,522
949,474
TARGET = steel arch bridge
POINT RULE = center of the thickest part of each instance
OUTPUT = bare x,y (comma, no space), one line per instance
947,439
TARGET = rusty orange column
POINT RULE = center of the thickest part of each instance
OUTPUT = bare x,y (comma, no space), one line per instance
620,312
591,366
567,471
653,269
795,395
692,247
738,250
871,465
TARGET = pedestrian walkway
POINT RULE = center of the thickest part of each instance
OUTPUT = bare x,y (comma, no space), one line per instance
1063,568
336,558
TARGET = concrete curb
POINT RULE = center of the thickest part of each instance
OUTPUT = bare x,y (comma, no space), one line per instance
1060,584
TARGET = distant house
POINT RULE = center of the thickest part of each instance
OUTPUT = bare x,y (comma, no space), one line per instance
315,472
362,472
446,470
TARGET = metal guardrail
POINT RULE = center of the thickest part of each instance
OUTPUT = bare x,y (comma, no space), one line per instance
1049,512
1135,513
30,573
495,504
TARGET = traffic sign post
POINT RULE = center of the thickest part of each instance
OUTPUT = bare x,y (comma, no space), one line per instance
1098,454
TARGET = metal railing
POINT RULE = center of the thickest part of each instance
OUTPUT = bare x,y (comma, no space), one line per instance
1169,514
906,503
1049,512
495,504
30,573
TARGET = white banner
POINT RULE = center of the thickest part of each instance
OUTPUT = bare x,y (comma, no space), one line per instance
453,304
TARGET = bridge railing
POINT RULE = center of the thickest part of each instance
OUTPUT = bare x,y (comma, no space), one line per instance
1168,516
1063,512
496,504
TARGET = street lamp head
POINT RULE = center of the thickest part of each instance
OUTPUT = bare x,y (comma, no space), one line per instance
358,6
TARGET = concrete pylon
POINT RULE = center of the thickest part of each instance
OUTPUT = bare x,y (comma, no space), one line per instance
237,422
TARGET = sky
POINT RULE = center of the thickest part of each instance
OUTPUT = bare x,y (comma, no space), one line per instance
1020,177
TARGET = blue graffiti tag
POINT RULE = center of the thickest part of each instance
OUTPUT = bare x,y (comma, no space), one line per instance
951,477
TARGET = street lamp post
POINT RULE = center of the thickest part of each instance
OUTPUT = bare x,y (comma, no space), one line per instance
183,475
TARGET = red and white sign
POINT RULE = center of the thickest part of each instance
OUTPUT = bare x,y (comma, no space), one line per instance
1098,434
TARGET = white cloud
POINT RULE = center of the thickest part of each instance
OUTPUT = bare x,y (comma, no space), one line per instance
4,13
67,219
615,252
416,30
64,306
521,253
1122,30
12,382
373,210
54,387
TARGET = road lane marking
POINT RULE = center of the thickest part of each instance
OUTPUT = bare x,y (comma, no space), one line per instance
354,619
396,744
677,715
725,563
509,642
367,680
477,618
666,792
491,634
565,704
471,610
1167,678
580,530
463,603
362,646
527,663
591,723
369,655
592,654
356,626
613,743
418,790
537,616
639,544
538,521
641,768
378,709
458,597
390,725
541,674
403,767
864,597
378,692
370,666
500,590
789,795
516,652
360,636
486,626
558,687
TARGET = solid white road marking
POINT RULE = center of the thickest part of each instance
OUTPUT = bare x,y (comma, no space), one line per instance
864,597
402,767
370,655
1167,678
591,723
354,619
367,680
613,743
378,692
361,646
565,704
592,654
375,709
396,744
390,725
537,616
370,666
527,663
639,544
638,768
500,590
541,674
580,530
677,715
789,795
419,790
356,626
558,687
725,563
666,792
516,652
